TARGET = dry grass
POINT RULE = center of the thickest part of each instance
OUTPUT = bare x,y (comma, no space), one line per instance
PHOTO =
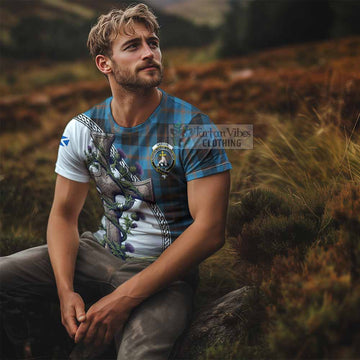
303,102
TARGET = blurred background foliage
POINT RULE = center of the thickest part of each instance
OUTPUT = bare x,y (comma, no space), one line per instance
56,29
257,24
290,68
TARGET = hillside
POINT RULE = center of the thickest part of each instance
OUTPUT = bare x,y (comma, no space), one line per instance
281,82
231,91
293,224
13,12
56,29
202,12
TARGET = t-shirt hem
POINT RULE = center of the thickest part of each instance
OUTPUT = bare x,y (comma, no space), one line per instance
141,258
71,176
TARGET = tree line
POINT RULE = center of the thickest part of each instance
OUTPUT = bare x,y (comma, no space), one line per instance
251,25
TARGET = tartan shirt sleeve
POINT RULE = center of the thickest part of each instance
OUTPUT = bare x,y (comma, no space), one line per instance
201,154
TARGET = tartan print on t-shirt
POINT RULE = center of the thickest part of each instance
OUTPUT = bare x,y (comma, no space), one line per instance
141,173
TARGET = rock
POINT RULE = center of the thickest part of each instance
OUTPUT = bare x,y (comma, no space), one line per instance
227,319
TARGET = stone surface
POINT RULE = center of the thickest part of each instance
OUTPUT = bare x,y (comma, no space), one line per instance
227,319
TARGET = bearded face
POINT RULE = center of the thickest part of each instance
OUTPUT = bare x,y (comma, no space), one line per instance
143,76
136,59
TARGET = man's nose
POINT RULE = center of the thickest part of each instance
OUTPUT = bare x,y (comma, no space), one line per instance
147,52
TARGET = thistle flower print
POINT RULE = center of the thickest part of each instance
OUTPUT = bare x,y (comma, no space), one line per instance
129,248
121,154
139,169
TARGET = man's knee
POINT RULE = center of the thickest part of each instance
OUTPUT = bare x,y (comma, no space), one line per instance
157,323
27,268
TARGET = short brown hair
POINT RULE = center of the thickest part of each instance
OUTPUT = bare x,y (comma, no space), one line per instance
108,26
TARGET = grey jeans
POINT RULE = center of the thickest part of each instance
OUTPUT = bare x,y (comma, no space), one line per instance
152,328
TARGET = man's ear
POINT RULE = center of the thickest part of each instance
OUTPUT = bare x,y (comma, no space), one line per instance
103,63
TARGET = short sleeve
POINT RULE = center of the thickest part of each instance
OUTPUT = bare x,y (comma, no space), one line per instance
202,153
72,152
